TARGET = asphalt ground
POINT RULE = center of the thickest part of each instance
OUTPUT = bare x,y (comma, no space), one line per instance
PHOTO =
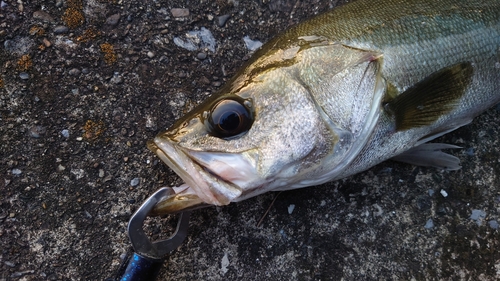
84,85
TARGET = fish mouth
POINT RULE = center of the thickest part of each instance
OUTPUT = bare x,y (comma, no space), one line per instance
211,178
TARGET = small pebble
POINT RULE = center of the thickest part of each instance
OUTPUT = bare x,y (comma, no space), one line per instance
197,40
131,201
37,131
18,45
113,19
116,79
24,75
150,54
291,208
201,56
59,3
204,80
21,273
74,71
87,215
444,193
11,215
221,20
470,151
46,42
42,15
179,12
65,133
9,264
430,192
85,70
101,173
429,224
386,171
493,224
224,264
60,29
478,216
135,182
252,45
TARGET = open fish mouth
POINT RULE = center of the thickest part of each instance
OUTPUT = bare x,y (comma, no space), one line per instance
211,178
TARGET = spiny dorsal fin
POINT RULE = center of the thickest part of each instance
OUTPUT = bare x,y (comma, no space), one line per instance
429,99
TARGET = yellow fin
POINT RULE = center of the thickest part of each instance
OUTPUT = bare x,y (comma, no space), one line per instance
431,98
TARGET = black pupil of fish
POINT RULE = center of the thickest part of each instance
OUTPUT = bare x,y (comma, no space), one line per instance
229,118
229,121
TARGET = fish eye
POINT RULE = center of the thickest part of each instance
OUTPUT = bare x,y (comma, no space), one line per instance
229,118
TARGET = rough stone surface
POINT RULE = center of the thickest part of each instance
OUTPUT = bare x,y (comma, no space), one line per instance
44,16
65,200
60,29
113,19
179,12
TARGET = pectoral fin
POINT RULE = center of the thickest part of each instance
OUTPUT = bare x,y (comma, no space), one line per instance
430,154
431,98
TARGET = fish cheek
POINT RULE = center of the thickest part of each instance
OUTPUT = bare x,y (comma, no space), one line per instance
286,134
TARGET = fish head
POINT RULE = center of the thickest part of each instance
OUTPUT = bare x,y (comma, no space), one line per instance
264,131
242,144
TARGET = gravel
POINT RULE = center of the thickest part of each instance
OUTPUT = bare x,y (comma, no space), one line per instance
113,19
65,199
179,12
221,20
43,16
60,29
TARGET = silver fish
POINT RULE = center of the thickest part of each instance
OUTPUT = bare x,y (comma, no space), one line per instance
336,95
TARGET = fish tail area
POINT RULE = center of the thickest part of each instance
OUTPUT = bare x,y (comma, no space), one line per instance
430,155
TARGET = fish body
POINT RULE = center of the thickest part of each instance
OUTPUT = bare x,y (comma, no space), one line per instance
336,95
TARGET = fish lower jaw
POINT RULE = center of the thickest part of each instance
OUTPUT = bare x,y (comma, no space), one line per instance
182,199
205,184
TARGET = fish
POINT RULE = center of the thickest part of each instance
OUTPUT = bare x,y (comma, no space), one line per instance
335,95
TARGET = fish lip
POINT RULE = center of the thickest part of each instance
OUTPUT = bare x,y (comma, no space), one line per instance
206,184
